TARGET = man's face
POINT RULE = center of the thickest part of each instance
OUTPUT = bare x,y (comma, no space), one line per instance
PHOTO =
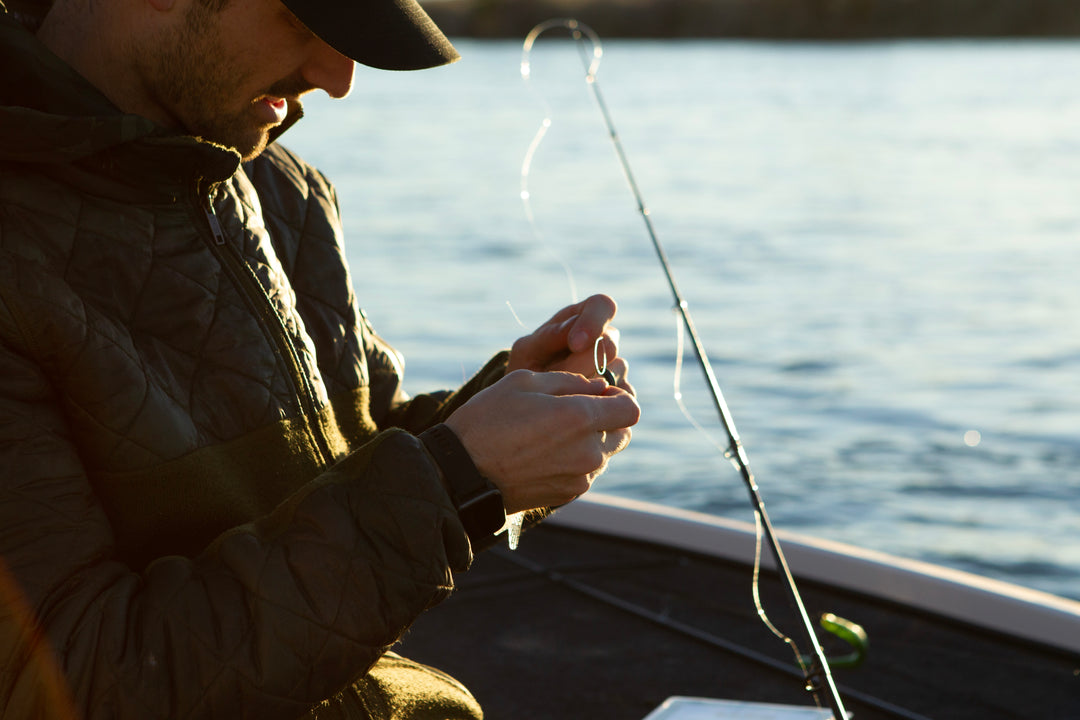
229,75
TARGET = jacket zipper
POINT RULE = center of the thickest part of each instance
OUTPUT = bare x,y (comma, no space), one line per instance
249,285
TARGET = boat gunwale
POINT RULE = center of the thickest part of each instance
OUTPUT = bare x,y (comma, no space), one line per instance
1022,613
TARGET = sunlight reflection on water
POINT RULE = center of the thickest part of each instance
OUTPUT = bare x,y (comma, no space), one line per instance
878,243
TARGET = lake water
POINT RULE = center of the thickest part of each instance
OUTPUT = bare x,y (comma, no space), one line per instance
879,244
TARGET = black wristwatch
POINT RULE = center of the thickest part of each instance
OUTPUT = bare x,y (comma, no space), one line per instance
479,503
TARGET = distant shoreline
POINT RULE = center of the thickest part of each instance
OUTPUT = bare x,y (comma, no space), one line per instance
767,19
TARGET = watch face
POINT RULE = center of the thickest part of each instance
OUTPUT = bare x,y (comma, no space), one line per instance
483,514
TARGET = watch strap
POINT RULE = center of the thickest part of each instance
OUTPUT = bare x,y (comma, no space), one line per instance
476,499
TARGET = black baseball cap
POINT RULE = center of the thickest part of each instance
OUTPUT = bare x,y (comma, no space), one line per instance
384,34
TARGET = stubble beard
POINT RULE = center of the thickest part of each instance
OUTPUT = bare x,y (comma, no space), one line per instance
193,79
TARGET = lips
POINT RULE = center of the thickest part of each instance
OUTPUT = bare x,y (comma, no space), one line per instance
272,109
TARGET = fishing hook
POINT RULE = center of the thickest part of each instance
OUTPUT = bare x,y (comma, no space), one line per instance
819,677
599,356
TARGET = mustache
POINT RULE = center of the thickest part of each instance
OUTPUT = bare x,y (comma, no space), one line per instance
289,88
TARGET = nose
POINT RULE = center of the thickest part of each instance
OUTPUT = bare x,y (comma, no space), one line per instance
328,70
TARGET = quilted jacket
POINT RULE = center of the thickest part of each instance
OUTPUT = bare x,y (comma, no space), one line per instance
212,500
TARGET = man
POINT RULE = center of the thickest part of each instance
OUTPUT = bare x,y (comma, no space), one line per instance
215,499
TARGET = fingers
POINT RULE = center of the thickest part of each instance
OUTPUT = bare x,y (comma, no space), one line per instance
555,383
542,349
593,315
605,407
620,369
568,339
595,311
614,442
543,437
614,410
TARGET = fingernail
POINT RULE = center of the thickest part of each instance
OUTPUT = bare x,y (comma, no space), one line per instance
567,322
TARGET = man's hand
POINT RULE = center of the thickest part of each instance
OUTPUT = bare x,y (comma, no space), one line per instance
543,437
567,342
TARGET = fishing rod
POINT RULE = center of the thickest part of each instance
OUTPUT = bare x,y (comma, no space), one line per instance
818,677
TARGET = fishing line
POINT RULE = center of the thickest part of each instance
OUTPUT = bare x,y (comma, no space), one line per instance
526,163
756,586
819,676
515,521
755,583
515,315
676,392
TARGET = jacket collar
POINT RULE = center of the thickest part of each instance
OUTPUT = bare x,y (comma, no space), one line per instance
52,117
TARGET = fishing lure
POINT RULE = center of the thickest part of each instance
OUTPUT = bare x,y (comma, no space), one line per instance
513,529
816,667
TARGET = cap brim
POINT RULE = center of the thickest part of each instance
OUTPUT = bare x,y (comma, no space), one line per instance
384,34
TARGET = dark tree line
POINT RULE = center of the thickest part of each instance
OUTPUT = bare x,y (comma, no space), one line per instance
774,19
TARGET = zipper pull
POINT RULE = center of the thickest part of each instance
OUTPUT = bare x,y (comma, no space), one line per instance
215,226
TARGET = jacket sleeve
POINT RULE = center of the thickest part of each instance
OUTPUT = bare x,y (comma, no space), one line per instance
272,618
392,407
421,412
315,243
